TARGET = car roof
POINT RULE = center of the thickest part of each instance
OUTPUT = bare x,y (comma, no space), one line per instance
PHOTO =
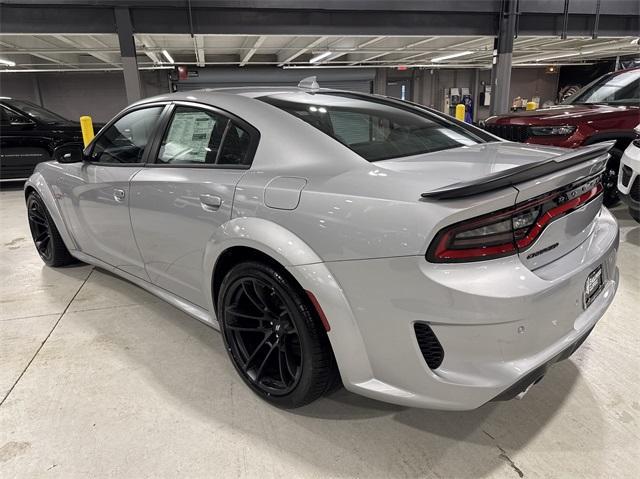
212,95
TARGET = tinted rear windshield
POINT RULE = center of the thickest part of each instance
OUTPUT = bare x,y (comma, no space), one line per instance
375,129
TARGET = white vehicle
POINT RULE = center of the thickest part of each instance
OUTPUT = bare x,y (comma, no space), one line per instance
629,177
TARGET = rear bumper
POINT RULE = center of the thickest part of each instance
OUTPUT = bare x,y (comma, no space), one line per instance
497,321
538,373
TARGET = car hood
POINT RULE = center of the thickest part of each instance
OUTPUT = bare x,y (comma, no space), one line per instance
558,112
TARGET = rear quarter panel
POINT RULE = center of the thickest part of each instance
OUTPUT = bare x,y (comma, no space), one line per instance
368,222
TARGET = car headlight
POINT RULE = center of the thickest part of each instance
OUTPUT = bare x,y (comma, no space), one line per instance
552,130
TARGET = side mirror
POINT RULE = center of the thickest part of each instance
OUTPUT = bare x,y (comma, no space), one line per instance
69,153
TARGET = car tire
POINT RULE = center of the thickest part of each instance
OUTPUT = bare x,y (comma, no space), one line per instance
46,237
610,180
273,337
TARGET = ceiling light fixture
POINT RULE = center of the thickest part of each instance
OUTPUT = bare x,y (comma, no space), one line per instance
451,55
167,56
8,63
319,57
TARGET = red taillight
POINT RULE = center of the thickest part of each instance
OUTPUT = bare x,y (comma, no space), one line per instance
510,230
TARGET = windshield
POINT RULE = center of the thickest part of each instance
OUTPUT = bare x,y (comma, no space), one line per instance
619,89
374,129
36,112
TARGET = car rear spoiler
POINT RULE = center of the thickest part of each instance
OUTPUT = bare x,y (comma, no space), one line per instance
519,174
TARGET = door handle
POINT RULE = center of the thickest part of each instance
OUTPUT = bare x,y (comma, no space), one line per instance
210,202
118,194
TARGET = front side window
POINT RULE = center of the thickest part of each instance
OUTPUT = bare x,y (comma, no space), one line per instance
8,117
202,137
375,130
126,140
621,89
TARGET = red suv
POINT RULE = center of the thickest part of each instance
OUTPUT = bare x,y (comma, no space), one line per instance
606,109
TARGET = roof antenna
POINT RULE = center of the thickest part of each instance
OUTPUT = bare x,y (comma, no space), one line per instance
309,83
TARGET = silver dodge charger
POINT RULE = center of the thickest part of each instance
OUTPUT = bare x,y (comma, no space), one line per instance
342,238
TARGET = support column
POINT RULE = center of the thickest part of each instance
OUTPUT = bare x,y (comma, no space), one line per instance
128,54
476,94
380,82
36,89
503,51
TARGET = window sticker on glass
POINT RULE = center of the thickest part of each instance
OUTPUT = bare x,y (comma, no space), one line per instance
189,137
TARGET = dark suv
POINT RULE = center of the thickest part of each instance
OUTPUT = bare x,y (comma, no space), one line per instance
28,136
606,109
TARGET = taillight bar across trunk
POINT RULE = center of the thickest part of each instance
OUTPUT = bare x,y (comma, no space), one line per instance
511,230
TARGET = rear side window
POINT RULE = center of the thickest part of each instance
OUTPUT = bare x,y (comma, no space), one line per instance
236,147
126,140
376,130
203,137
193,137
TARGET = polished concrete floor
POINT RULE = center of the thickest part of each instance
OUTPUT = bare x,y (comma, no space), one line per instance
100,379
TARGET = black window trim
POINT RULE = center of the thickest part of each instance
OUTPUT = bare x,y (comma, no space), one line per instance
163,125
25,117
89,148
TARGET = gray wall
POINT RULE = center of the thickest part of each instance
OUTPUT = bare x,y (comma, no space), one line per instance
101,94
428,86
98,94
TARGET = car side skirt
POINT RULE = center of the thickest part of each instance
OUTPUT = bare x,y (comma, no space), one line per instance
182,304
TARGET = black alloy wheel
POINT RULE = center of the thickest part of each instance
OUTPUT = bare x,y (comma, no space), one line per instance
272,337
47,239
40,228
263,338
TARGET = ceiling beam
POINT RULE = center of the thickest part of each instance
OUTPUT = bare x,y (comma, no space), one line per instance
295,55
51,59
257,44
78,41
372,41
314,17
398,49
198,45
148,43
617,46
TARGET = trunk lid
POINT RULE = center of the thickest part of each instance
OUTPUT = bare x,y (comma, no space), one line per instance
468,163
561,185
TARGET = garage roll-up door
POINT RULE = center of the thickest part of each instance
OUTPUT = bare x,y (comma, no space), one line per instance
357,79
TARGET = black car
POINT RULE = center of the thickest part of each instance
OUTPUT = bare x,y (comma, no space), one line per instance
28,136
